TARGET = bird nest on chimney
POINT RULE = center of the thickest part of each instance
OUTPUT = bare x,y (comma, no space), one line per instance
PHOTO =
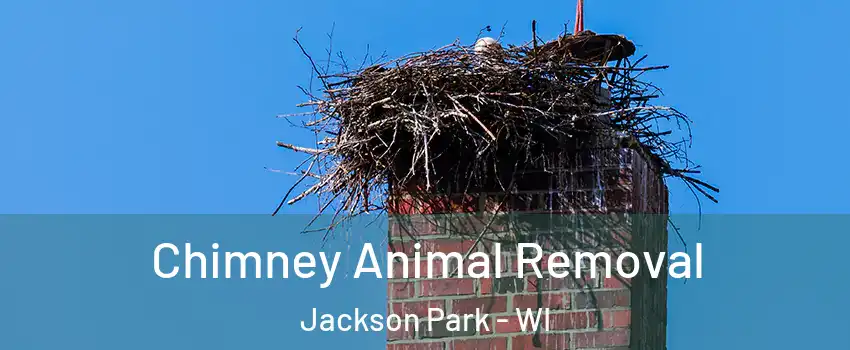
460,117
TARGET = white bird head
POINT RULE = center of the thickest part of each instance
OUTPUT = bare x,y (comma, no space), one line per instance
486,44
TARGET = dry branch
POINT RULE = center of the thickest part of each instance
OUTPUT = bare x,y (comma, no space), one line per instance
449,116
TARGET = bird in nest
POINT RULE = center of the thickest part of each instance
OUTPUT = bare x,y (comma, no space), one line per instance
488,53
487,45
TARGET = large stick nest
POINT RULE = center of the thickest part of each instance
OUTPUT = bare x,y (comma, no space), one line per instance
453,120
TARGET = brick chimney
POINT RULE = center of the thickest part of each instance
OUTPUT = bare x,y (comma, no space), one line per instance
586,313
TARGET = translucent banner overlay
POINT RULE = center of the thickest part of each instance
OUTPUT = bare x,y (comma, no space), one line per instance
89,282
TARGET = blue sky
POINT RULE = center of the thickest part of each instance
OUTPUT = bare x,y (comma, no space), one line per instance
169,107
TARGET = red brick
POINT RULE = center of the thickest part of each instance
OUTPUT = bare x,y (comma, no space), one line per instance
398,269
615,282
584,328
534,284
403,333
449,286
603,327
543,266
401,206
555,301
486,305
432,246
486,285
512,325
479,344
437,204
570,320
547,341
553,284
401,290
468,224
603,299
417,346
411,227
602,339
506,263
490,269
616,319
452,204
418,308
